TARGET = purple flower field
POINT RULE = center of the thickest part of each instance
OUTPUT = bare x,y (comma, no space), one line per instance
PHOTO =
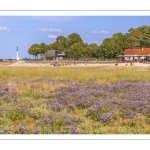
75,108
128,98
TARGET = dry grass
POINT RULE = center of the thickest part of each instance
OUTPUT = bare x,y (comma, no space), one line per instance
30,81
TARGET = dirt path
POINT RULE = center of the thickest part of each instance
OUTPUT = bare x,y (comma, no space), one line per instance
22,63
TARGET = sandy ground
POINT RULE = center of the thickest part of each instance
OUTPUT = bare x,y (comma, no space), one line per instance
22,63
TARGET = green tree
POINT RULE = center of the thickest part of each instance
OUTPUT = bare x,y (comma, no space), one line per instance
106,48
54,46
75,50
98,53
43,49
119,43
74,38
145,41
34,50
114,46
74,47
68,45
63,42
85,51
91,50
139,37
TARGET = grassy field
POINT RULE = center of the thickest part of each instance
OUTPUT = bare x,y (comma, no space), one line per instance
84,100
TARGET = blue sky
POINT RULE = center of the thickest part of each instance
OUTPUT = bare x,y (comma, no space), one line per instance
23,31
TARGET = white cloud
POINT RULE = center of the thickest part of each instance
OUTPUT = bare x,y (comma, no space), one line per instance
100,32
49,30
4,29
52,36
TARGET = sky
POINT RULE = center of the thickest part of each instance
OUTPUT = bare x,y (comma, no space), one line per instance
23,31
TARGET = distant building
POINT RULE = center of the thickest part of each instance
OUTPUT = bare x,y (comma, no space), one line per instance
56,54
137,54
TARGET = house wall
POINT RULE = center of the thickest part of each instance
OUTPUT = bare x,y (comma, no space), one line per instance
55,54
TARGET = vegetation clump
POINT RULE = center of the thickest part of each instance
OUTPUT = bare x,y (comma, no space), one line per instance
93,104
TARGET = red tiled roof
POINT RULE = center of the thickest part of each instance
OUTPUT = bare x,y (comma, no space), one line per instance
144,51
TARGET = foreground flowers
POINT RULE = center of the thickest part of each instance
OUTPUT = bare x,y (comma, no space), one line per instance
72,106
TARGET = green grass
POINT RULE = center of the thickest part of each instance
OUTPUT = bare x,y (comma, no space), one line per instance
30,89
82,74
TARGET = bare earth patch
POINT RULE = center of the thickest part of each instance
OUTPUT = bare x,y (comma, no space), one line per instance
141,66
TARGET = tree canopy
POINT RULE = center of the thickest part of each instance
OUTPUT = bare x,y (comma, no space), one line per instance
74,47
37,49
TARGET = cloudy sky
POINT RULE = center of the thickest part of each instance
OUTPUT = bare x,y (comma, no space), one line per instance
23,31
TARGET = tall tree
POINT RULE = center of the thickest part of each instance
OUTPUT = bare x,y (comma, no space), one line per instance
63,42
139,37
34,50
106,48
74,38
92,50
114,46
43,49
54,46
145,41
76,50
119,43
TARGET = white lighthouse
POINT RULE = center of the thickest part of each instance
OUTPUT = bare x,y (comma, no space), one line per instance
17,53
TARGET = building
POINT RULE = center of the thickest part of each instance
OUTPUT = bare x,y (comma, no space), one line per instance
56,54
137,54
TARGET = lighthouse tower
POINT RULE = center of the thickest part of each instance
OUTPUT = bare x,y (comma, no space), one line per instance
17,53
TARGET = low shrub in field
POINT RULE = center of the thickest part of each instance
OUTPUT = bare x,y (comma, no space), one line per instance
57,123
20,129
8,94
19,113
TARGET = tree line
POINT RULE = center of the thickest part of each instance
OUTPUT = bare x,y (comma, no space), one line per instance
74,47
